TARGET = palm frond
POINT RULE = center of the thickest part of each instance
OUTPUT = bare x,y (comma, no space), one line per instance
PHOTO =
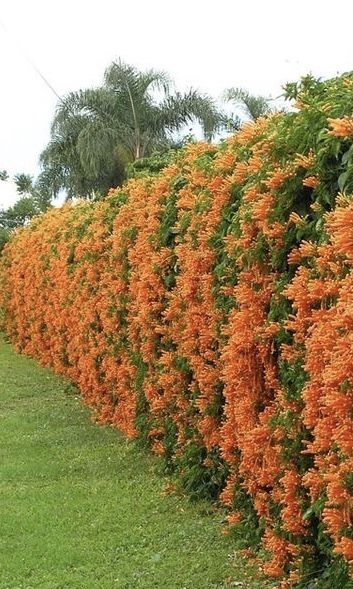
253,106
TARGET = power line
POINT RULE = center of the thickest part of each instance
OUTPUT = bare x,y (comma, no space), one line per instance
30,61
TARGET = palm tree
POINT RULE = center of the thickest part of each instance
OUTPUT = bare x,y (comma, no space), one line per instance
96,132
79,173
252,106
151,120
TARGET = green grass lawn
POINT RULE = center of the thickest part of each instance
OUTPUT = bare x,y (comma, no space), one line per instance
81,508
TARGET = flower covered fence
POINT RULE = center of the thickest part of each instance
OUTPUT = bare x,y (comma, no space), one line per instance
208,310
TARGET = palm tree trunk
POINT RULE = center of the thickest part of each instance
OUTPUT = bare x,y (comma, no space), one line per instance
137,128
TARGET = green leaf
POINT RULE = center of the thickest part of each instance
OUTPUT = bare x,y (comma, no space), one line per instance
346,157
342,180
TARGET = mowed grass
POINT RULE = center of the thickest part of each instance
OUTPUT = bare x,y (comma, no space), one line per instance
81,508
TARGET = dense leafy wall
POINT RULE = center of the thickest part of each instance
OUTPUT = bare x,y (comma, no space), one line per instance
209,311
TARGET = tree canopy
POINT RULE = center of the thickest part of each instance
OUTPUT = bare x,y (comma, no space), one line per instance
97,132
33,201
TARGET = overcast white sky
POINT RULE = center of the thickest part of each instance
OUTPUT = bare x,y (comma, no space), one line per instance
255,44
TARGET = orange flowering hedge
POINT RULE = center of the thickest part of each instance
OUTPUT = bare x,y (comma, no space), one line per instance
208,310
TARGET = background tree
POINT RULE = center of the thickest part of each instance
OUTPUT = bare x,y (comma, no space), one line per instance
97,132
34,199
19,214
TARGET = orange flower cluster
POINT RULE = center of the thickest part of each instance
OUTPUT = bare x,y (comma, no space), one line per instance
209,310
341,127
323,299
